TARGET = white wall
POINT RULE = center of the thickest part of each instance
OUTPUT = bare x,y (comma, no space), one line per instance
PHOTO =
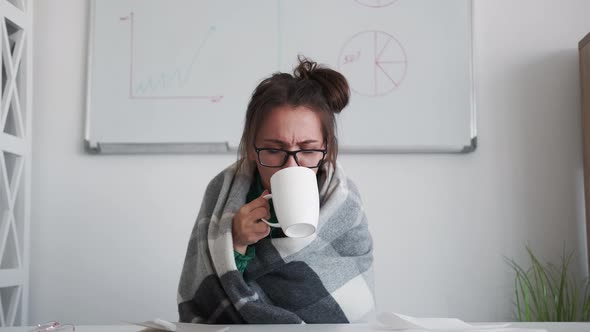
109,232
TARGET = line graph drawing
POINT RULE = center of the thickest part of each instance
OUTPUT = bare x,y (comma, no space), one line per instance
152,86
374,62
376,3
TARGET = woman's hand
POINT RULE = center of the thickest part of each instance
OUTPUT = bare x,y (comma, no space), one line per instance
246,225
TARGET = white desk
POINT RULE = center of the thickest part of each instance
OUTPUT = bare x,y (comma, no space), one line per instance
549,327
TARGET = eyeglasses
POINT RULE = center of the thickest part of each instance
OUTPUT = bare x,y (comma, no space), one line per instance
271,157
53,326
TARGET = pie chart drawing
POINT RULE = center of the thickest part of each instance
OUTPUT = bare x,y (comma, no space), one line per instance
374,62
376,3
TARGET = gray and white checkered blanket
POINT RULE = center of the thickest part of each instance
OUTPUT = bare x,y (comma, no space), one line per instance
324,278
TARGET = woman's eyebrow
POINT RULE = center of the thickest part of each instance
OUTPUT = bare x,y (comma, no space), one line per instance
309,141
283,143
276,141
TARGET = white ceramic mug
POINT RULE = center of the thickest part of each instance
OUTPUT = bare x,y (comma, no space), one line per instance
296,201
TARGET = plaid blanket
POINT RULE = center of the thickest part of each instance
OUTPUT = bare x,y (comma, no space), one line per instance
324,278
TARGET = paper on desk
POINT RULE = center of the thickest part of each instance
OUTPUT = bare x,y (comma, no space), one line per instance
157,324
396,321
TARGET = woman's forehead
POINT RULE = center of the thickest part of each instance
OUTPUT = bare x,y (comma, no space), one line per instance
290,125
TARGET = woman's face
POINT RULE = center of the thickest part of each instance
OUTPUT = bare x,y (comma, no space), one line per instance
288,128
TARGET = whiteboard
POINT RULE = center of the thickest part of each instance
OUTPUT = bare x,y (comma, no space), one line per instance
177,75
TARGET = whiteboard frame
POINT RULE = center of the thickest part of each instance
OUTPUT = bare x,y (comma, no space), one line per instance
93,146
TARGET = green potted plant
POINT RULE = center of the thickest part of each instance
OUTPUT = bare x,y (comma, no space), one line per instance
548,292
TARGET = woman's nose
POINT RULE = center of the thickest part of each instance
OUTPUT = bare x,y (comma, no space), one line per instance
290,162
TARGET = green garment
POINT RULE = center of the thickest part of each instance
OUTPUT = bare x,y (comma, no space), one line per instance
242,260
255,191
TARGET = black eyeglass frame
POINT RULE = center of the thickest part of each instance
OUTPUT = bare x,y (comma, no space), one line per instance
291,153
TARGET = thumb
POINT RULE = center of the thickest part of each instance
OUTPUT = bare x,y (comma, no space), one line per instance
264,193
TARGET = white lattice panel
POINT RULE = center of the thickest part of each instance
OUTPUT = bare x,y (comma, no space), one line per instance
15,142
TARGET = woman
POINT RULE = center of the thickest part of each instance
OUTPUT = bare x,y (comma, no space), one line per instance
236,270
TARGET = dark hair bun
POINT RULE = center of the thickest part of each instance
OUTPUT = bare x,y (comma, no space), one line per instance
334,85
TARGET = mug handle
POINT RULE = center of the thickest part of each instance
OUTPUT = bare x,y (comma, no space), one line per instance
267,197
